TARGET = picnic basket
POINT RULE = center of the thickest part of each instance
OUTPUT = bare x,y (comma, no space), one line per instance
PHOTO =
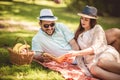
20,58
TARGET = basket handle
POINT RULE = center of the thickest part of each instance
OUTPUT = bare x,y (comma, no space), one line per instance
18,38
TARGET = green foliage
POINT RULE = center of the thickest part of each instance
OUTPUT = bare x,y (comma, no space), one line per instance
109,6
105,7
75,5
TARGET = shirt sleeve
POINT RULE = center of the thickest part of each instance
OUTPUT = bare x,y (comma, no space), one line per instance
67,33
99,43
36,47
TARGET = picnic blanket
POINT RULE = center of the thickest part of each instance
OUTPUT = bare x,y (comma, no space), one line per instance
68,71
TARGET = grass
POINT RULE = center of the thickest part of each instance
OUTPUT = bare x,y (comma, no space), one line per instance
24,13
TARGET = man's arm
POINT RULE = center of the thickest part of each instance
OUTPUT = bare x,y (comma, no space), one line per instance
74,44
37,55
45,57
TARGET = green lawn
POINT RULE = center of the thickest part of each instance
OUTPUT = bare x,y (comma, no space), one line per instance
26,12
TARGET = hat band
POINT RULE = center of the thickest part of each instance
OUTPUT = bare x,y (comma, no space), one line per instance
46,16
91,15
88,13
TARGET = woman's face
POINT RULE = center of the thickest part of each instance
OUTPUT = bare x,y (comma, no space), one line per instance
85,22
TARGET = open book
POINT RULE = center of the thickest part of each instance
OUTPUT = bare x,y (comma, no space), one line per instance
60,59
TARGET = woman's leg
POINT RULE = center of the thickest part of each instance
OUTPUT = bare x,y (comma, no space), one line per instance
106,68
111,66
103,74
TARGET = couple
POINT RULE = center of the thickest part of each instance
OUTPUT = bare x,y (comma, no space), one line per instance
89,45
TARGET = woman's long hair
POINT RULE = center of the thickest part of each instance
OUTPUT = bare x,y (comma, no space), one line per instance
80,29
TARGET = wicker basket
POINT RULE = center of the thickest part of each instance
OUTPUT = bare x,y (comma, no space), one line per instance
20,59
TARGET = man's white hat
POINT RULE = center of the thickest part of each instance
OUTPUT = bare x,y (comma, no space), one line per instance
47,15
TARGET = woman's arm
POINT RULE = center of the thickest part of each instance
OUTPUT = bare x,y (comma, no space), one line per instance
88,51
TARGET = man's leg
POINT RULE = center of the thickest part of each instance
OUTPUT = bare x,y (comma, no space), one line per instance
113,38
103,74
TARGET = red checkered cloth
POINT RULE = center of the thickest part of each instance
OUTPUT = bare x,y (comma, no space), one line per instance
68,71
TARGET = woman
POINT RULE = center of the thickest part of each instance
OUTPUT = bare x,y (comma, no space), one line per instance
95,58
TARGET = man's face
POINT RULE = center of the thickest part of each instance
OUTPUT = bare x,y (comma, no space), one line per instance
48,26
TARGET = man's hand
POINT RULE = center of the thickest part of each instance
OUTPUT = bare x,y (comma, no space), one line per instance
42,58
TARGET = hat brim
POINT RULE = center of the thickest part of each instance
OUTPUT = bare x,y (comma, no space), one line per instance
87,16
48,19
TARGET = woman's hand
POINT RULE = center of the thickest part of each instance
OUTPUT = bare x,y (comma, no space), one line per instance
68,57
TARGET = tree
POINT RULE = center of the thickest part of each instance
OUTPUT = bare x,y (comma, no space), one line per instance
105,7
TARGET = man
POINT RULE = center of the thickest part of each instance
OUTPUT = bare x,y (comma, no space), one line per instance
53,38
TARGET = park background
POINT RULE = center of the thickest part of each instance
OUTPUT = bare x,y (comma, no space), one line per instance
18,18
